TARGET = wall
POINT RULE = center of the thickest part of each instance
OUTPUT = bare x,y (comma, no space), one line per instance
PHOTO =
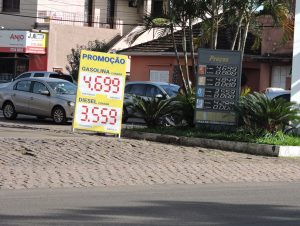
272,39
141,66
295,90
62,38
27,8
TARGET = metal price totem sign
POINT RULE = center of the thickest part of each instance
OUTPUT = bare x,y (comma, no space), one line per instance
100,92
218,86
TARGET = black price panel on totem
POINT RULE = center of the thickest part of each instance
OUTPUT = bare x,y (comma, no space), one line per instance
222,70
218,86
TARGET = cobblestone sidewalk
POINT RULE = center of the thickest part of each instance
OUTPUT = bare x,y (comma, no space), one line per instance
106,161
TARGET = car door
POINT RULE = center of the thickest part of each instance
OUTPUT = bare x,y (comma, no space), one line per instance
39,103
20,96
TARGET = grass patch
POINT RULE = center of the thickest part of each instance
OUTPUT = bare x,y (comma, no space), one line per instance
241,136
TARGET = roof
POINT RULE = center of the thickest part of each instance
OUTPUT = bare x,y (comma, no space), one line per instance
165,44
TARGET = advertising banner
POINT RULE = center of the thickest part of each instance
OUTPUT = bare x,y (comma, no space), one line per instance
218,86
22,42
100,92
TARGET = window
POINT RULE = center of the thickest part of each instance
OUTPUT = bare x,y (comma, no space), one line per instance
38,75
159,76
39,87
23,86
138,89
26,75
110,13
62,76
286,97
11,6
157,8
152,91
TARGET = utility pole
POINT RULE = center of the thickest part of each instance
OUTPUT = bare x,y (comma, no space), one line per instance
295,88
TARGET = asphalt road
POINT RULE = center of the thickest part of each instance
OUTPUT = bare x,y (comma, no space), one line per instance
215,204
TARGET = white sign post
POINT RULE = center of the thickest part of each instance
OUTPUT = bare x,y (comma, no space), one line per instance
295,89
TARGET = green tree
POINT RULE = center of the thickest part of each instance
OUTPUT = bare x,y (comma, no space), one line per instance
74,57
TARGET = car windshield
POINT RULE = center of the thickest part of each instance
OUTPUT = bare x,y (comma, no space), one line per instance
171,89
63,88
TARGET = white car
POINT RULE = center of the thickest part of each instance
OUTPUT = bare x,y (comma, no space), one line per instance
277,93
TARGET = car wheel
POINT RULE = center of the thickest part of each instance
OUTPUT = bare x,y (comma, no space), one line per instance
59,115
9,111
125,115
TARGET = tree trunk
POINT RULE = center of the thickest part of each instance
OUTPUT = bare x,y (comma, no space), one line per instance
245,35
213,24
192,50
216,34
185,89
237,32
186,58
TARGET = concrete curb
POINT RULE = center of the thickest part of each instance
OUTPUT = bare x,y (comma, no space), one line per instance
250,148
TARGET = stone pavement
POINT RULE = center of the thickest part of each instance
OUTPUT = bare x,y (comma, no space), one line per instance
45,158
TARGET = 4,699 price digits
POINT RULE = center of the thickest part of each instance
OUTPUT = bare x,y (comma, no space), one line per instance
111,86
95,115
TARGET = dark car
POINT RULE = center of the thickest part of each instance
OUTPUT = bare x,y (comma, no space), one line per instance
147,90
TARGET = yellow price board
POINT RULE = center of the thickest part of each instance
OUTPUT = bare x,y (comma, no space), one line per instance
100,92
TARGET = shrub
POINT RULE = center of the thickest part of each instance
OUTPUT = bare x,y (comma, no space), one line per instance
258,114
154,110
187,107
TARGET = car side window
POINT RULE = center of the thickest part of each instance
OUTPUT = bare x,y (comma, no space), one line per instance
286,97
26,75
127,89
39,75
38,88
62,76
138,89
23,86
152,91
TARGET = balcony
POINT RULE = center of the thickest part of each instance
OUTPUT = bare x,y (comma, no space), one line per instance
75,19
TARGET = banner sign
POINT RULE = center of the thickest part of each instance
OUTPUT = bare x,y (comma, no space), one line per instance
13,41
218,86
100,92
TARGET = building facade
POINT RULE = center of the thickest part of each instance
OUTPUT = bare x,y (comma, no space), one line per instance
64,25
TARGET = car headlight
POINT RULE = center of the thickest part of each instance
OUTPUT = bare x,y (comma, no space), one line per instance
70,103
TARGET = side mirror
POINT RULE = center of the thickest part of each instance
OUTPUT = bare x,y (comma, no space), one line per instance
159,96
45,92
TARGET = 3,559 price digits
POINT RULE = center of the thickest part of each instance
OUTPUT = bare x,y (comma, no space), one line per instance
95,115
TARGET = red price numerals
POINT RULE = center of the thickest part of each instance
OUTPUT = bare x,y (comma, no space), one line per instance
97,114
100,83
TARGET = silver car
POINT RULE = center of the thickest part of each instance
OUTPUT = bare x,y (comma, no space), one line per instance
42,97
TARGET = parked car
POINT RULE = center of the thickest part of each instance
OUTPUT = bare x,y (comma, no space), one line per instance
45,74
41,97
277,93
147,90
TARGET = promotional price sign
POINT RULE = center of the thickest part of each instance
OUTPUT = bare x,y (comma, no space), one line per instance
100,92
218,86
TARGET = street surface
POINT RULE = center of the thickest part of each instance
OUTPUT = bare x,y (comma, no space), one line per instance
255,204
